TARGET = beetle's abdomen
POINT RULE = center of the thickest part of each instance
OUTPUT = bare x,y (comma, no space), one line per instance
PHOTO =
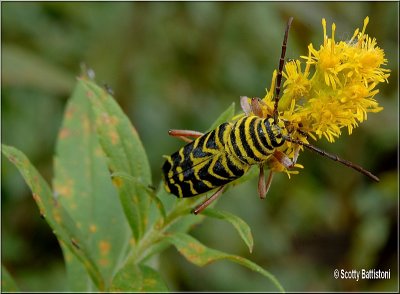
202,165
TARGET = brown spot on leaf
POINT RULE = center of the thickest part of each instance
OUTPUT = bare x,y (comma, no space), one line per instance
64,133
56,215
36,197
70,112
117,182
114,137
38,201
89,94
12,159
105,118
104,262
109,119
196,247
104,247
64,190
93,228
114,121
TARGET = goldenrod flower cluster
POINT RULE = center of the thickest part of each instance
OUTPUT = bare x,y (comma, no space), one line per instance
337,87
335,90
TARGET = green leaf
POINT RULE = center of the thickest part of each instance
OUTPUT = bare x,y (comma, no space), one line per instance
155,248
64,227
138,278
158,203
7,282
126,154
78,277
224,117
83,185
200,255
240,225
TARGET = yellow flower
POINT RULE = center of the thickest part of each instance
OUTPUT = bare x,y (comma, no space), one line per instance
341,89
336,89
296,84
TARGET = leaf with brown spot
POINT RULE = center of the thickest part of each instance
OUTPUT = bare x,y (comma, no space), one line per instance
138,278
105,247
57,217
200,255
125,154
83,183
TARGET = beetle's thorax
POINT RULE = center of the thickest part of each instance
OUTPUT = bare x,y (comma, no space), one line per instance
253,139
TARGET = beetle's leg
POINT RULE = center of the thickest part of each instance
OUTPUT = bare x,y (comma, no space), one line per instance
183,134
296,155
269,181
186,133
208,201
263,185
283,159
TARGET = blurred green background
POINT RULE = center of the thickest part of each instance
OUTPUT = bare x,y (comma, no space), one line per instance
179,65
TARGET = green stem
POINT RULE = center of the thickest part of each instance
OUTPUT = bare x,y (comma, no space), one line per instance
157,232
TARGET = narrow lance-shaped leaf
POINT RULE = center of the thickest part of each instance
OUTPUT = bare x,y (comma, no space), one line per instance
151,193
78,276
240,225
83,185
201,255
56,216
125,152
138,278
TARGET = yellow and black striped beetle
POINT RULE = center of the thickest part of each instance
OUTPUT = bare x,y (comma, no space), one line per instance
214,159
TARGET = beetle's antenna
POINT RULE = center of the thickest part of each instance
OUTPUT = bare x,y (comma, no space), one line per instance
334,157
280,69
